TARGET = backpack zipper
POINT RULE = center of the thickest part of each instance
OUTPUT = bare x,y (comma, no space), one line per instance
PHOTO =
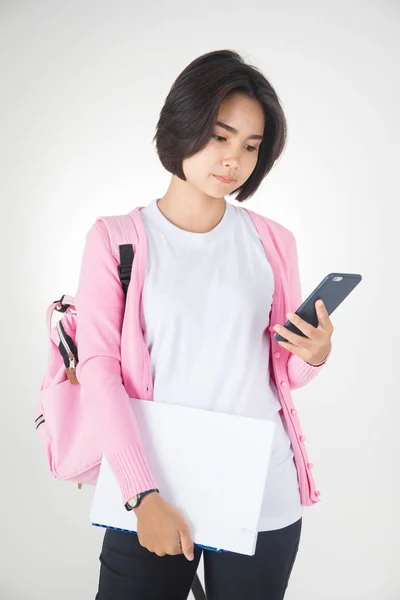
71,370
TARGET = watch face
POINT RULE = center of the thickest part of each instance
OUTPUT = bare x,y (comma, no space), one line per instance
133,502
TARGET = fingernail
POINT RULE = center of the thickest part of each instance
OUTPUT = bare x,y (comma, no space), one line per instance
319,303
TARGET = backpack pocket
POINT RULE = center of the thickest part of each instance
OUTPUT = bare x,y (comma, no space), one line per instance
67,435
61,420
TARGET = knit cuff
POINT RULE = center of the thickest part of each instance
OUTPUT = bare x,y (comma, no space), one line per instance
132,471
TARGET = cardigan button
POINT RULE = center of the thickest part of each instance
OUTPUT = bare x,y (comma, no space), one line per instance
277,354
317,493
293,411
283,384
302,438
310,465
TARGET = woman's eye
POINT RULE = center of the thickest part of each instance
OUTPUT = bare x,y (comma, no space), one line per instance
249,148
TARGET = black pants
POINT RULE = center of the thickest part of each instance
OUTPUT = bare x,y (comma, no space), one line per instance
130,572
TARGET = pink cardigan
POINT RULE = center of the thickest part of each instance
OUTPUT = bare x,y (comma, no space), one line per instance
104,335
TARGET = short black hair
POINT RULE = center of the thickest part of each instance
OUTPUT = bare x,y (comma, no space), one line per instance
190,112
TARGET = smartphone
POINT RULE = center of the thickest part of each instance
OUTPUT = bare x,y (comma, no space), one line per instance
332,290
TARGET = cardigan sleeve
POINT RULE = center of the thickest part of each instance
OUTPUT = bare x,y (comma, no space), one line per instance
100,305
299,371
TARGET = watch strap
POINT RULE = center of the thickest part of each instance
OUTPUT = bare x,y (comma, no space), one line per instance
140,496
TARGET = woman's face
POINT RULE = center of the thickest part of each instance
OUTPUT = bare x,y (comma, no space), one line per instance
228,153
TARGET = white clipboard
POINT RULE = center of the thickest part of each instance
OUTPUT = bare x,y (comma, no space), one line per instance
212,466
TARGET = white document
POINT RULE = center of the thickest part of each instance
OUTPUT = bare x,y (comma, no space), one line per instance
212,466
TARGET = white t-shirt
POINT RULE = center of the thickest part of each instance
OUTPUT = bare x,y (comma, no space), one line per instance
205,311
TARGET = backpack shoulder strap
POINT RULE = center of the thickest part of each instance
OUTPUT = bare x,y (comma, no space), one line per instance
123,241
125,232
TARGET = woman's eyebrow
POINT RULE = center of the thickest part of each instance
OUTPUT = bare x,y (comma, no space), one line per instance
233,130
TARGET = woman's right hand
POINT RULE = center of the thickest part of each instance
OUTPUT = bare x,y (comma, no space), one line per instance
162,528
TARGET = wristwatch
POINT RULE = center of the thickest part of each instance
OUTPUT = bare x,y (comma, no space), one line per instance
136,500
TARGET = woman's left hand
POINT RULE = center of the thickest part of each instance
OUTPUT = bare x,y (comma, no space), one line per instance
316,346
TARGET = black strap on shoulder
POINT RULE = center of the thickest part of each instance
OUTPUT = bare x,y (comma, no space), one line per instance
126,255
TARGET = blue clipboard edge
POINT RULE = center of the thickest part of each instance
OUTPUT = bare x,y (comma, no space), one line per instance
130,531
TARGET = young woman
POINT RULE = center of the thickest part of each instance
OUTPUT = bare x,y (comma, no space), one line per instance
201,312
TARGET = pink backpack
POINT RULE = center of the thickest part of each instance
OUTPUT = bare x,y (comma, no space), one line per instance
71,452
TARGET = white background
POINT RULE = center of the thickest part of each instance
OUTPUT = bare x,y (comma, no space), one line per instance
82,86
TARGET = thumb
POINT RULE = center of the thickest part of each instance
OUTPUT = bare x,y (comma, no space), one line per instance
187,544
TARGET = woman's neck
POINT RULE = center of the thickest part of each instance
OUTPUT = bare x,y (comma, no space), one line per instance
190,210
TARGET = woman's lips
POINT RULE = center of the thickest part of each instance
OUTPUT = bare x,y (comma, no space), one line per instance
223,179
